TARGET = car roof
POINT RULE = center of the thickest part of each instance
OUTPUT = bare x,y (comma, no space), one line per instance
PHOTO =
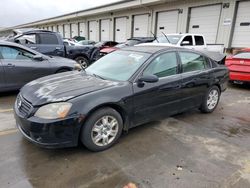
155,49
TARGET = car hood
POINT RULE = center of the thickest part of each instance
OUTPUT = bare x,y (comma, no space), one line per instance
62,87
58,59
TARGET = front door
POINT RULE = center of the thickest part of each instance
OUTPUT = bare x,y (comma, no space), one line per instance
20,68
157,100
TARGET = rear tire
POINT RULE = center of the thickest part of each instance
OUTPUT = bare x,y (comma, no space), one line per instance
83,61
102,129
210,100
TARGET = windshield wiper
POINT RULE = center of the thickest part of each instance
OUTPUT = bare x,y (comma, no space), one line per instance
166,37
97,76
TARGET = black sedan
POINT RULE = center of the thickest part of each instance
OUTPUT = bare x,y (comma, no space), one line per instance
119,91
20,65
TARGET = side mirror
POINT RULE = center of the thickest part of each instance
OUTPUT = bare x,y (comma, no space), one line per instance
185,43
38,58
149,78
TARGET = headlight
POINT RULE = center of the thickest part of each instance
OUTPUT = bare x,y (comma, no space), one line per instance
77,66
54,110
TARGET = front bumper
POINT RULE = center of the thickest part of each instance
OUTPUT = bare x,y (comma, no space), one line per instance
49,133
239,76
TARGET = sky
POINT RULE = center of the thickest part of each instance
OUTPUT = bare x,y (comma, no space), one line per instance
16,12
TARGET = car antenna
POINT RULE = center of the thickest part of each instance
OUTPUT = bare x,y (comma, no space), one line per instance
166,37
154,36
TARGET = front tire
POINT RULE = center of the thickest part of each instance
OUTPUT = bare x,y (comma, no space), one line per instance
83,61
102,129
210,100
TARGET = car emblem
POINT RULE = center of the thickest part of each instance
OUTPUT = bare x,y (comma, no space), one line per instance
241,62
19,104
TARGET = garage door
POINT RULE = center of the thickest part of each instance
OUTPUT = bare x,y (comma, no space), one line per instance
54,28
121,29
67,31
74,30
92,30
105,30
140,26
60,29
205,20
167,22
241,36
82,29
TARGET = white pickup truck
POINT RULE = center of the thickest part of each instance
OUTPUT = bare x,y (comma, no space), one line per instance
191,41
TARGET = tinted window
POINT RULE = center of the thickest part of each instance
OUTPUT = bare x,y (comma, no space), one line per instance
189,41
46,38
26,39
192,61
14,53
199,40
163,65
243,55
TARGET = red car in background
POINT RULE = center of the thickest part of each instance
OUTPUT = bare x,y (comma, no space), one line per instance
130,42
239,66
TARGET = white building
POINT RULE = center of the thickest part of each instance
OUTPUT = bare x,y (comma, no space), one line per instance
221,21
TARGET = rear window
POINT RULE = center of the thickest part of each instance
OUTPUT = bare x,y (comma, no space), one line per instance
47,38
199,41
243,55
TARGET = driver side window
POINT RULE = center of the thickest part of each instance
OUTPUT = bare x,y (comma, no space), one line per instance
163,65
14,53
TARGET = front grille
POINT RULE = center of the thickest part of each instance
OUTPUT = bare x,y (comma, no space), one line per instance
23,106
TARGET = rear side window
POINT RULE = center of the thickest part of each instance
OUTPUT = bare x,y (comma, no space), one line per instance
192,61
47,38
163,65
199,41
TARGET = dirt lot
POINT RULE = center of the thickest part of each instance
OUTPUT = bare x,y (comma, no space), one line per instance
188,150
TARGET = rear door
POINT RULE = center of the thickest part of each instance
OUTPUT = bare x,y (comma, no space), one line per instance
20,68
196,76
160,99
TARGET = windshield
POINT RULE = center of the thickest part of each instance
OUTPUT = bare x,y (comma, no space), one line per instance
119,65
174,39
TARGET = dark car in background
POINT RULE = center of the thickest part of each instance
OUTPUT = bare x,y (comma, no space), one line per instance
123,89
130,42
51,43
20,65
106,44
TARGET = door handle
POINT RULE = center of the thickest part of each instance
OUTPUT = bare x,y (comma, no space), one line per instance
9,65
33,47
58,48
